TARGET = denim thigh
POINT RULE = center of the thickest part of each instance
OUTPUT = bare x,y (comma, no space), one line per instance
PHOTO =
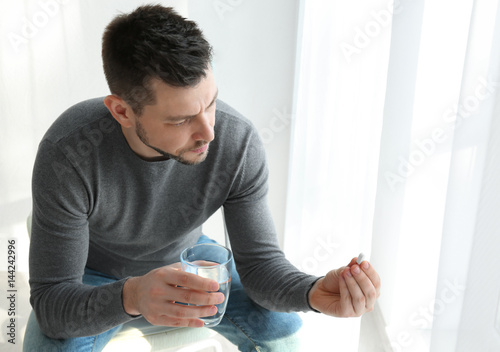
36,341
252,327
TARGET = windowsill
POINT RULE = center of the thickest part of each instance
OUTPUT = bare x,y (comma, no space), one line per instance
373,335
320,330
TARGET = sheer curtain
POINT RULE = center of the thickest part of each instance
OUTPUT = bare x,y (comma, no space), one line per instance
342,64
394,148
471,235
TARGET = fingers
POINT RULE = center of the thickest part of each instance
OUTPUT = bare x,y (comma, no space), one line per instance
181,311
369,271
352,262
185,295
358,299
182,315
372,275
162,297
345,299
173,275
363,284
190,288
171,313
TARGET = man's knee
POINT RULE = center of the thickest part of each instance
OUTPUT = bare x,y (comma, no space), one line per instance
270,326
290,343
36,341
275,331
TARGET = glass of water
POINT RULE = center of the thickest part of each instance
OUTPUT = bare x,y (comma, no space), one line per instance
211,261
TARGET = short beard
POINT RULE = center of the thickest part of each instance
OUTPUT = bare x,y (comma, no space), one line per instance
141,133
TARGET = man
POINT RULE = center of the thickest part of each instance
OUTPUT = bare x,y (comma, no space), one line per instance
122,184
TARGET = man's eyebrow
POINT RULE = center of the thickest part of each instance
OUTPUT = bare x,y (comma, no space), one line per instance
214,99
179,118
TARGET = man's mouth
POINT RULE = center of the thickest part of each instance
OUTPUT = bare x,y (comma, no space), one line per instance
200,150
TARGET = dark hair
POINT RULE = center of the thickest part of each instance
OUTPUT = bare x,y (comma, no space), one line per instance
152,42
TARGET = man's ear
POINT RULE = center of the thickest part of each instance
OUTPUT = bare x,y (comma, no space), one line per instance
121,111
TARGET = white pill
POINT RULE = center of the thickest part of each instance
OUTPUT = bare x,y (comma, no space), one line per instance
361,257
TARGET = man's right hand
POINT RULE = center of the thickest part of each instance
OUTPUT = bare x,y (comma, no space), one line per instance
155,294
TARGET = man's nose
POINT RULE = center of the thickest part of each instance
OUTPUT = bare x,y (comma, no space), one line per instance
204,128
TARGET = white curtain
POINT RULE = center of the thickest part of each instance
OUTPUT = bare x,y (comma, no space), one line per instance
342,65
469,319
394,148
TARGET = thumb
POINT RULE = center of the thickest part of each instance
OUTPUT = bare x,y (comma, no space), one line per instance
331,281
352,262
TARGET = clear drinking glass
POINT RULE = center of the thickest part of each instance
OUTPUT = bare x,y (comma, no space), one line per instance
211,261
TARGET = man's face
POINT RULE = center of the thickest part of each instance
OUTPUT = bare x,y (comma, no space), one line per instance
180,125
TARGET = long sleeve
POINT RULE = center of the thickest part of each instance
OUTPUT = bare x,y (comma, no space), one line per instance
65,307
96,204
268,277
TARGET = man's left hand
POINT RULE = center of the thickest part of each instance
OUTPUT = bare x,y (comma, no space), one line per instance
348,291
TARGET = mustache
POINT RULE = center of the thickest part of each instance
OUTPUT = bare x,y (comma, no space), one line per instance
199,144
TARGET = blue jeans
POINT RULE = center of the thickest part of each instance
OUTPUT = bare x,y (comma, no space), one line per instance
245,324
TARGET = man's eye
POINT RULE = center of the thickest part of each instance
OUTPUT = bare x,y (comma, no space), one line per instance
180,123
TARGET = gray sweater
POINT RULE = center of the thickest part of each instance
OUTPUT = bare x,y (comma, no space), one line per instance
97,204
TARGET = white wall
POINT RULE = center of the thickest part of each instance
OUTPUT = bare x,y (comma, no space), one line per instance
254,44
56,62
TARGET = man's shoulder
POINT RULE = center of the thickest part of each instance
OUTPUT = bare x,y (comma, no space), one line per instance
226,109
91,113
229,120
